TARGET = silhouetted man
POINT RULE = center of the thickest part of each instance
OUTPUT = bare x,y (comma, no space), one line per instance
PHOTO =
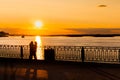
33,49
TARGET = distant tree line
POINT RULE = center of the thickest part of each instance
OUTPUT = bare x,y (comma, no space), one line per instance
3,34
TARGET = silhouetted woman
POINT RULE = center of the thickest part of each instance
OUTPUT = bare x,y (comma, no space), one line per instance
34,50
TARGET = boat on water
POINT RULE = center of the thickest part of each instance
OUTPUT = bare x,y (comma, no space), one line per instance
22,36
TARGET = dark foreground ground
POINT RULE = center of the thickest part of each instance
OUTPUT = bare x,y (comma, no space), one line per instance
14,69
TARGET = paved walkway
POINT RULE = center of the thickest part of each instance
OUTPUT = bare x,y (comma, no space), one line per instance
57,71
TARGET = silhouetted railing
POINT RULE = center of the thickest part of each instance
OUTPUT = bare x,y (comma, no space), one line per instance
14,51
67,53
86,53
102,54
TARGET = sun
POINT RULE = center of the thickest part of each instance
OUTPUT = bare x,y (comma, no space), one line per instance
38,24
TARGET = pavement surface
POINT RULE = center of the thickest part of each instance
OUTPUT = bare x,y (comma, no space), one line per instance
40,70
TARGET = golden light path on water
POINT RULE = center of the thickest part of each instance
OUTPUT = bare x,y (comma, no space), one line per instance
39,52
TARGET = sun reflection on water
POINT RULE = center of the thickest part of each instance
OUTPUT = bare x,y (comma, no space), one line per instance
39,52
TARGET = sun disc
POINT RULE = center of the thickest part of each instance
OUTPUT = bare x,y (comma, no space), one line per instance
38,24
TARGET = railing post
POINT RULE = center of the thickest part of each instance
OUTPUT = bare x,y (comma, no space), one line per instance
49,55
119,55
82,54
21,52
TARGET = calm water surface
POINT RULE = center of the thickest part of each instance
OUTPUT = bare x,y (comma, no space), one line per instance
60,41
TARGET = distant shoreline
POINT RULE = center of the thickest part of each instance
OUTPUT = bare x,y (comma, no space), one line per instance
76,35
3,34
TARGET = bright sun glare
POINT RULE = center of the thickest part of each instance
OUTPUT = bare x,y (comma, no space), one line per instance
38,24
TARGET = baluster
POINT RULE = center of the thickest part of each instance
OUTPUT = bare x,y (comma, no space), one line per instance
56,54
92,54
71,54
112,55
109,54
117,55
95,53
64,53
105,55
59,52
88,54
79,54
99,56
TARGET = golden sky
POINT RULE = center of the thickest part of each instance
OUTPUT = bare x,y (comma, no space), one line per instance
58,16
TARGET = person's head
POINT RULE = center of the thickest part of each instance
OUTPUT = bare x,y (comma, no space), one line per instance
35,42
31,42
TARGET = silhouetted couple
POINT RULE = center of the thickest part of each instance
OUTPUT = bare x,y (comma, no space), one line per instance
33,49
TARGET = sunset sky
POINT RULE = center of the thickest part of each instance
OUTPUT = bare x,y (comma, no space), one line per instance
60,16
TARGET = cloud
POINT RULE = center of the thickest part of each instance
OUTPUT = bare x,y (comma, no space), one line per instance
102,5
95,30
64,31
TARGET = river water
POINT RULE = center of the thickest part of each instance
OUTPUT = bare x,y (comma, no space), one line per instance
59,41
62,41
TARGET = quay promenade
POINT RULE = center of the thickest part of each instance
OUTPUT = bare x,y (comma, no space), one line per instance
17,69
68,63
